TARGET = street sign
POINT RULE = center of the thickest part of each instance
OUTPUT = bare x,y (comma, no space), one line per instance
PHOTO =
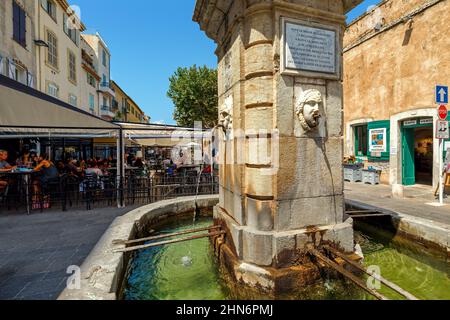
442,112
442,130
441,94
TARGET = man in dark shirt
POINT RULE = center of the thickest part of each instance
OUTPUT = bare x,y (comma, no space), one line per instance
4,167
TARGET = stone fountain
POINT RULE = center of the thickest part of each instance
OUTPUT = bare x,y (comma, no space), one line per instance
281,145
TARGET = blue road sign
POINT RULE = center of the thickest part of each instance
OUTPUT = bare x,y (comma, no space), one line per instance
441,95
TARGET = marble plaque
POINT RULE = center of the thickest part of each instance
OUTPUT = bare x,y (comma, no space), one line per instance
310,48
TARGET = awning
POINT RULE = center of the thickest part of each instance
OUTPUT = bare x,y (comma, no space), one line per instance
25,111
157,135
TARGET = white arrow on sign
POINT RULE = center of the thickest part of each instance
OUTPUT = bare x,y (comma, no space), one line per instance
442,94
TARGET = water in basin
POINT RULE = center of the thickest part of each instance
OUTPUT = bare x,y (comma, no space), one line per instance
188,271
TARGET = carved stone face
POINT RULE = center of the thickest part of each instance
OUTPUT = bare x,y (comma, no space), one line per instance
311,112
308,109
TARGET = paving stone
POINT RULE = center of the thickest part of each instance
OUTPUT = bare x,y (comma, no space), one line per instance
36,250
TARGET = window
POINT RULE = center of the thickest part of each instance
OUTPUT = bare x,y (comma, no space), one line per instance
73,100
52,89
50,7
104,58
52,50
19,25
1,65
91,102
104,81
91,80
71,31
105,102
72,66
361,140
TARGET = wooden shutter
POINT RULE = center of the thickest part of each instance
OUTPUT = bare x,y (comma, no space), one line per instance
16,22
19,24
23,24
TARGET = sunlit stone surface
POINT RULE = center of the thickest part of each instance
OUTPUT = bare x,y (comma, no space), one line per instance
281,180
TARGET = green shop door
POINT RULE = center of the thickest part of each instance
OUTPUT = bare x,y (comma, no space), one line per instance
409,167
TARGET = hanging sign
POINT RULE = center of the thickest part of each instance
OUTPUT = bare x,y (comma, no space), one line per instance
378,140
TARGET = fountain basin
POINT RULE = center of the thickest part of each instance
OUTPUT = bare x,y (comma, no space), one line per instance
104,273
104,269
158,273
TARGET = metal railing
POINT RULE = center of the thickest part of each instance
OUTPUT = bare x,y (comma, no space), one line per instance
70,192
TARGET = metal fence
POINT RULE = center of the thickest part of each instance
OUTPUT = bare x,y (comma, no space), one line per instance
91,191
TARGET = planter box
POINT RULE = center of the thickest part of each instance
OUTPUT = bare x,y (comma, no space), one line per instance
353,174
371,177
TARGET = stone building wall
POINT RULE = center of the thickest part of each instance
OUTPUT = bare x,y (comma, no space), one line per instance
398,69
390,72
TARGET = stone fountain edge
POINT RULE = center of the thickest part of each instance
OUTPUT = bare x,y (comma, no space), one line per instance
102,272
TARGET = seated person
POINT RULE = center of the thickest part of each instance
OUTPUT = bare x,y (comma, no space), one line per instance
71,167
138,163
4,167
93,169
47,172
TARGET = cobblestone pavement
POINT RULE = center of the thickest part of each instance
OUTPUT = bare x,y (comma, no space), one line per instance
418,200
36,250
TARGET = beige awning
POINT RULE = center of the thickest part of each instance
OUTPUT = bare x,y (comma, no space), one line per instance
25,111
156,135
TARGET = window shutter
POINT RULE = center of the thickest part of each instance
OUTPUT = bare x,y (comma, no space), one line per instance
12,69
23,27
16,22
66,29
30,80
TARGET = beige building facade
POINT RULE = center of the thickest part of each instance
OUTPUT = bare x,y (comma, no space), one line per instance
59,63
106,92
17,45
41,46
90,79
394,57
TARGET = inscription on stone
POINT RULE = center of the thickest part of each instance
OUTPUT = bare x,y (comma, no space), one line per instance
310,49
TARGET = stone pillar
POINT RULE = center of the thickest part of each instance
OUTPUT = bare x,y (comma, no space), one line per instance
280,103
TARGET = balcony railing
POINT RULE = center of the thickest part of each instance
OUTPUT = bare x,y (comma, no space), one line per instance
107,111
105,87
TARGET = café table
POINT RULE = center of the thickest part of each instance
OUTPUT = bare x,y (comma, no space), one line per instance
24,175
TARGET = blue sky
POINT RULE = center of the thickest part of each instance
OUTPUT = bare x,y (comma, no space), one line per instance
149,40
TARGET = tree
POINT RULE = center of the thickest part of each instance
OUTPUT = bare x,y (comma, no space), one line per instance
194,94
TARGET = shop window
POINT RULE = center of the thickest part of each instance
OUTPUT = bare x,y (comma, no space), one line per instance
361,140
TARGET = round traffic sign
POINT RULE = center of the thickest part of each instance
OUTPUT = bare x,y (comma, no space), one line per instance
442,112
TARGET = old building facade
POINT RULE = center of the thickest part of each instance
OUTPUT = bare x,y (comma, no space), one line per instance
106,92
59,62
17,45
394,56
41,46
90,80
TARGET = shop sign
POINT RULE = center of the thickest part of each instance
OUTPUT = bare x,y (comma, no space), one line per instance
378,140
426,121
410,123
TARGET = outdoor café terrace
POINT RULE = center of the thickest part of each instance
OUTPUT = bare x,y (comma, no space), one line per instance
87,183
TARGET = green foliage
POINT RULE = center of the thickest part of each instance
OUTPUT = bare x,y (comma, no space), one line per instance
194,94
